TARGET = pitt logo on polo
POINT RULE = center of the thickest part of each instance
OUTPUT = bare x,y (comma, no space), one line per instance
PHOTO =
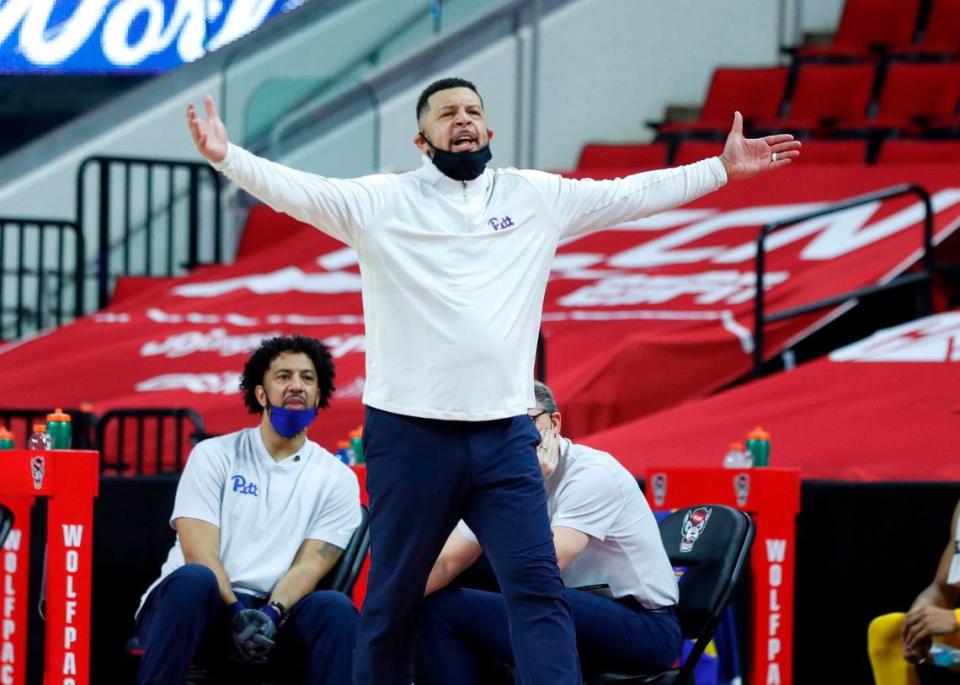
500,224
241,485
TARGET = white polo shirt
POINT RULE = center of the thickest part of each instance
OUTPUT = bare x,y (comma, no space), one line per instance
593,493
454,273
263,508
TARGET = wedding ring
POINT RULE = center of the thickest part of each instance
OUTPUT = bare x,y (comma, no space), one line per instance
773,157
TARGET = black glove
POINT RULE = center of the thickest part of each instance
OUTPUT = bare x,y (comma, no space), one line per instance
252,632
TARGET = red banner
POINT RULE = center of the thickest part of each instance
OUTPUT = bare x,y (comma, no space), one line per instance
882,409
636,319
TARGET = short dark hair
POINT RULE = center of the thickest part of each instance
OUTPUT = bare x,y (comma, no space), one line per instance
443,84
544,397
256,367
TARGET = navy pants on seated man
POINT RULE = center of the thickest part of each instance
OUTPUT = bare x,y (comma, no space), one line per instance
603,535
464,628
184,620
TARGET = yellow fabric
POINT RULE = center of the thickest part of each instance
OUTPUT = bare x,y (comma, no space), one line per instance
886,650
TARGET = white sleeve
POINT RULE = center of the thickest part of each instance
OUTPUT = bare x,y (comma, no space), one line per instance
335,521
200,490
584,205
466,532
591,503
337,207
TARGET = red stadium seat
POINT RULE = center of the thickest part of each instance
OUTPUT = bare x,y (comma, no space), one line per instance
867,24
833,152
755,92
941,36
691,151
624,158
825,93
919,152
913,93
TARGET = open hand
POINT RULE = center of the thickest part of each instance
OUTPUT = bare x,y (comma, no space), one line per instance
748,157
209,136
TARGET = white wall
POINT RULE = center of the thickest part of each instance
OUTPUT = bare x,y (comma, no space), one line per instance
606,67
820,16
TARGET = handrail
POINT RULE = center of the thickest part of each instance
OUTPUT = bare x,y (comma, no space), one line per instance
21,271
925,275
395,76
191,194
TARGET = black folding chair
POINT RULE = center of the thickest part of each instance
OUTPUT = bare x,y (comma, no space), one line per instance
343,576
6,523
708,546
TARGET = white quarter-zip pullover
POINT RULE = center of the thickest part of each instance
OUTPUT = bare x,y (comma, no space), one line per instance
453,272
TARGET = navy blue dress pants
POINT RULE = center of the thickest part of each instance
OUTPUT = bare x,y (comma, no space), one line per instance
464,631
422,476
184,620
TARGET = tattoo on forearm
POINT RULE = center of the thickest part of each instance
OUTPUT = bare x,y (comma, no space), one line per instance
328,551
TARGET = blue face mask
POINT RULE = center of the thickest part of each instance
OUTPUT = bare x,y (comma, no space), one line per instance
290,422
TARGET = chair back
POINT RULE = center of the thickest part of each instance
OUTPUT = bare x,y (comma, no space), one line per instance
708,546
344,574
6,523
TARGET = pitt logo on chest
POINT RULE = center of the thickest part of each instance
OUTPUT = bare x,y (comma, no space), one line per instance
500,224
241,485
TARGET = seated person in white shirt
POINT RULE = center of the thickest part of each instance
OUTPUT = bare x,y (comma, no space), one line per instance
619,583
261,516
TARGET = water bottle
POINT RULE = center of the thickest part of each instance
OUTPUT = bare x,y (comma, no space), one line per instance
736,457
6,439
59,428
344,452
39,438
356,442
758,444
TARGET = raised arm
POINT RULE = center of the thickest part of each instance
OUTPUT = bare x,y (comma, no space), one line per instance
337,207
933,611
584,205
200,542
457,554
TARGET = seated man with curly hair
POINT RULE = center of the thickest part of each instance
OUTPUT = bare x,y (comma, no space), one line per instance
261,516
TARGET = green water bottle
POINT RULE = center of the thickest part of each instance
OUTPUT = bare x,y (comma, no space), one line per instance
356,442
758,444
6,439
59,427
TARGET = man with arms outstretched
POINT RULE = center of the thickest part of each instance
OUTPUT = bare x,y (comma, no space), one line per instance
454,260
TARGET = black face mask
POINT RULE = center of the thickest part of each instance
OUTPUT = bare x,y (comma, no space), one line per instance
460,166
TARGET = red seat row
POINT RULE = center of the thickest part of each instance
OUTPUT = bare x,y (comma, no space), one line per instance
611,161
829,98
897,28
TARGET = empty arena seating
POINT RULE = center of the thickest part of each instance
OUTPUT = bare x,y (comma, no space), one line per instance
911,95
617,160
866,27
919,151
755,92
940,38
825,94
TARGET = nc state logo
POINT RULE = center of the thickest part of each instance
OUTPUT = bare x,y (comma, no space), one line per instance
37,471
694,521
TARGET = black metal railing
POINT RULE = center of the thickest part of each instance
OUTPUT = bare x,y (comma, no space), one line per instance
150,216
147,441
45,274
922,278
